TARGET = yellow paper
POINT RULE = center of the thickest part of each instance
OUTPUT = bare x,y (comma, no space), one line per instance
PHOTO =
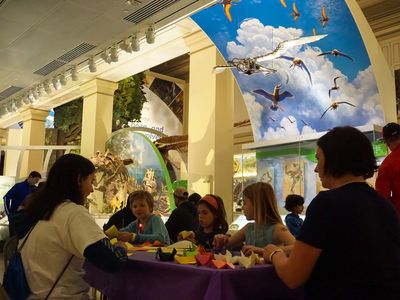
187,234
113,241
112,232
185,260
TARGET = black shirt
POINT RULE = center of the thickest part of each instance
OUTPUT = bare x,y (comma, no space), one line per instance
358,232
184,217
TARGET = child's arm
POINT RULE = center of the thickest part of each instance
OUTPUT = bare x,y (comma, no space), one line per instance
222,240
158,232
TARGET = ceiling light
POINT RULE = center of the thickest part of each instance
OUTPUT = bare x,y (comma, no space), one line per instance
150,34
74,74
63,80
135,45
114,53
92,65
106,56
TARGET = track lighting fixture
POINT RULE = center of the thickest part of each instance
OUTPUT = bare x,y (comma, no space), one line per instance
150,34
106,56
92,65
114,53
74,74
135,45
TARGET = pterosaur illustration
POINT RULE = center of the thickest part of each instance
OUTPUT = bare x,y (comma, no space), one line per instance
275,96
324,18
335,53
334,105
250,65
335,87
283,3
244,65
227,4
295,13
298,62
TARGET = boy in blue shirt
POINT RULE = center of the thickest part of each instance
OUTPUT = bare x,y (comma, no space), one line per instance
295,205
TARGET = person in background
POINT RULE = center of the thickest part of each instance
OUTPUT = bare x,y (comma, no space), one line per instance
148,227
295,205
388,180
184,216
212,220
64,233
121,218
349,244
194,198
260,205
17,194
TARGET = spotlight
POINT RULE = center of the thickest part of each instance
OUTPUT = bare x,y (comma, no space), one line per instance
74,74
106,56
150,34
114,53
63,80
92,65
135,45
47,88
126,46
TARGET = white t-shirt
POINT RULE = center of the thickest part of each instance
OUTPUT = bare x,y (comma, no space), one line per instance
49,247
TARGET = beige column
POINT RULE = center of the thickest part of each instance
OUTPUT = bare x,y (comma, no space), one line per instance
33,134
210,122
97,113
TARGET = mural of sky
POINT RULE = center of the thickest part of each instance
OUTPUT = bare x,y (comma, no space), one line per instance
309,88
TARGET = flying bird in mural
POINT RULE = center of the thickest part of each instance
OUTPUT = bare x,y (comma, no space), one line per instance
295,13
275,96
304,122
250,65
272,119
335,53
283,3
246,66
334,105
285,45
227,4
290,120
324,18
298,62
335,86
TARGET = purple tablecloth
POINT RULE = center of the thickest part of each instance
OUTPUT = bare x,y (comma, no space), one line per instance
146,278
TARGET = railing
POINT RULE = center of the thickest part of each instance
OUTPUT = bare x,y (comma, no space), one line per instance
49,149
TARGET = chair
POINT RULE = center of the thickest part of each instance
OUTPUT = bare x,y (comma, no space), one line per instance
10,246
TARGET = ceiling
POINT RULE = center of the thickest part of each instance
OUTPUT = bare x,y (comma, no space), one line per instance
41,40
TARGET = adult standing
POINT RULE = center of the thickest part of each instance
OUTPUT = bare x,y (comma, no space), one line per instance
14,197
388,180
349,244
184,216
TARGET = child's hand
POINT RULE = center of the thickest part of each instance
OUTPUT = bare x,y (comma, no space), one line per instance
126,236
187,235
220,241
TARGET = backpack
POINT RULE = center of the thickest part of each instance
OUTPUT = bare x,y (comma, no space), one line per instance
14,280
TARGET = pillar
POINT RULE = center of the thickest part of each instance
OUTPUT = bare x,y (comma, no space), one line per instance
97,114
210,122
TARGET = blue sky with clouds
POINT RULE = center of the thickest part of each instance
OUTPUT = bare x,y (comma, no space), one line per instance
257,28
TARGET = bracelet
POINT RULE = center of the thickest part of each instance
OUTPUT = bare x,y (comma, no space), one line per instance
273,253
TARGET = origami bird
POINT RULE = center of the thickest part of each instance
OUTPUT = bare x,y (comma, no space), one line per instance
275,97
334,105
297,62
335,53
295,13
324,18
335,87
283,3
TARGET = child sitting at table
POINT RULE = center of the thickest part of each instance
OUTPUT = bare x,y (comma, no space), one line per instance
148,227
212,221
294,204
260,205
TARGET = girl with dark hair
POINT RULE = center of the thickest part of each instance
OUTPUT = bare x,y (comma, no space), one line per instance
349,244
260,205
64,233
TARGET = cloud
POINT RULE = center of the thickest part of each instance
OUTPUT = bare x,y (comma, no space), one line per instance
308,101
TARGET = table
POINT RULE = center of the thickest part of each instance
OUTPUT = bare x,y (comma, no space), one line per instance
144,277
